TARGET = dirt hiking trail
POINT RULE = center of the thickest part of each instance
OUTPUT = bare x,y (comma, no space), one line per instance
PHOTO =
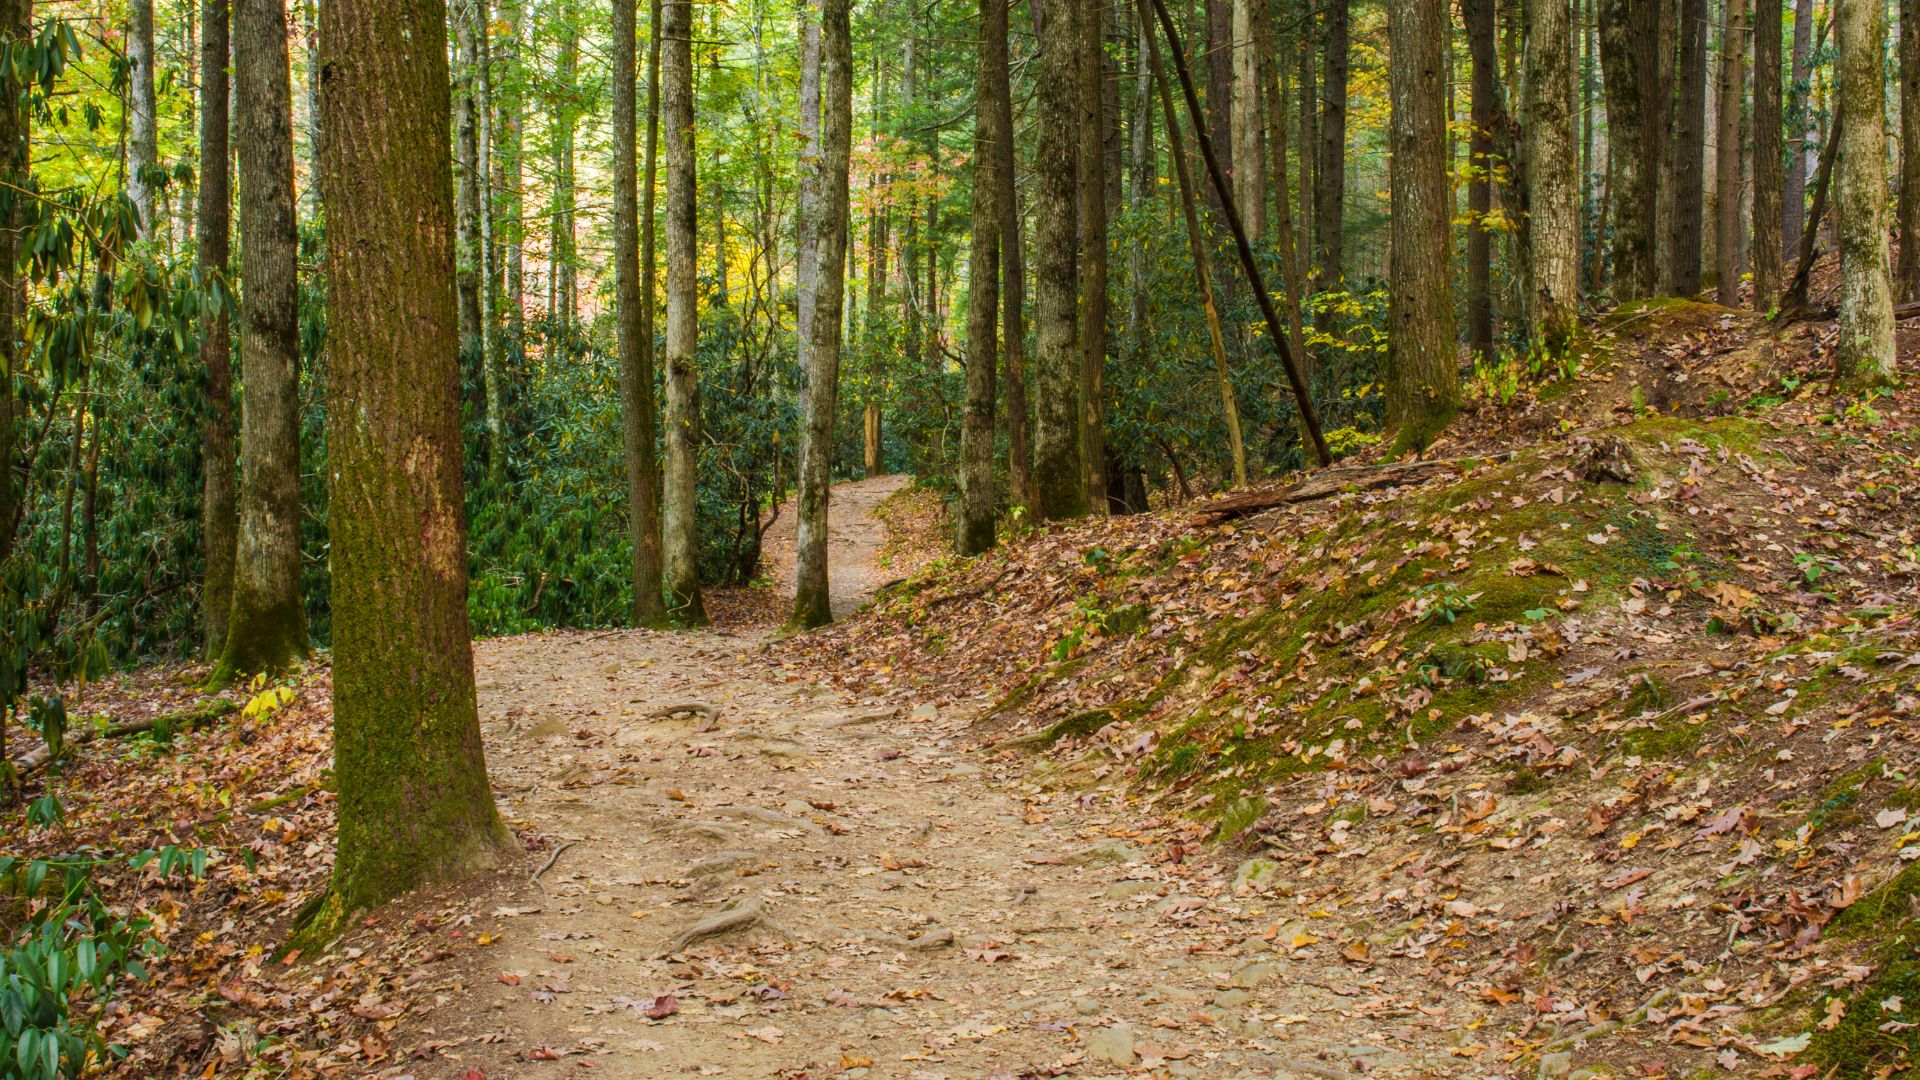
746,876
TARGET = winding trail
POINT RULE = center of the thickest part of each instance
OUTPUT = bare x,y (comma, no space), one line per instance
886,901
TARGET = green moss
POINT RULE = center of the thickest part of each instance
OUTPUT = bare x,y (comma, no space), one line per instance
1858,1046
1238,816
1665,742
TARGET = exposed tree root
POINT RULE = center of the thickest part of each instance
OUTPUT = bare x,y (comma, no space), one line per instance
743,915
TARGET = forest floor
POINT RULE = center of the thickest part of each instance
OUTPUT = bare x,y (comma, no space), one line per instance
902,909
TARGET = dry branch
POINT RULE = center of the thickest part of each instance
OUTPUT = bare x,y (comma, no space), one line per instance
1320,486
182,720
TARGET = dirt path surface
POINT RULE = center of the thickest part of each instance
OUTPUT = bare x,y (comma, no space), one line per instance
779,881
854,537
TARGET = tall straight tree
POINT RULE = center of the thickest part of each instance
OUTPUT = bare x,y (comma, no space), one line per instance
1422,377
1013,305
414,802
1486,114
1635,126
634,328
1553,190
1247,152
1794,199
1726,203
143,151
1093,251
1768,152
820,353
469,278
679,520
1330,172
1907,278
1865,351
992,157
216,340
1219,46
1060,489
268,624
1682,270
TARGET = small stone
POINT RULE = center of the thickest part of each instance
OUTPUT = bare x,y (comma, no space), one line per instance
1254,875
1086,1006
1112,1045
1559,1064
1106,851
965,768
1253,975
1233,999
937,938
1127,890
797,807
926,710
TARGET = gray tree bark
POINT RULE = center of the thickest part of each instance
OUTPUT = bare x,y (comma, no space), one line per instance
1553,191
1627,37
1060,489
1733,92
1682,270
143,151
217,521
1330,172
1860,194
679,519
1769,255
1422,374
1093,252
633,329
1794,197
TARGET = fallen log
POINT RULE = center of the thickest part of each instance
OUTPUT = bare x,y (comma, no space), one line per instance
181,720
1321,485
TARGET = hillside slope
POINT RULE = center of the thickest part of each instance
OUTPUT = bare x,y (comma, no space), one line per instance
1609,718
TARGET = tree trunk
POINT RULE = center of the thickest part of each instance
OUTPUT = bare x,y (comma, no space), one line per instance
1733,86
1247,154
216,342
807,206
1860,190
414,802
493,373
513,176
992,159
680,525
268,624
1422,376
1626,44
1093,252
1768,149
143,150
1060,488
1013,303
633,325
820,353
1330,181
1309,146
1553,194
467,164
1794,198
1219,46
1682,270
562,252
1271,74
1197,247
1907,280
1486,114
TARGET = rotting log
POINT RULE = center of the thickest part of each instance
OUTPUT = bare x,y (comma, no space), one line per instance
1322,485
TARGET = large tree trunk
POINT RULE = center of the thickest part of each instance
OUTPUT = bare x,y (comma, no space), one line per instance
1422,375
268,625
1768,149
1197,248
1093,252
414,802
1247,153
1860,194
1794,198
1330,179
1013,304
992,166
1486,114
679,519
820,352
1219,58
1726,218
634,329
1682,270
216,340
143,148
1553,193
1060,489
1907,280
1272,76
1626,46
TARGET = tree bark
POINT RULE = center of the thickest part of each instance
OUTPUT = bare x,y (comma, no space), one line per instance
992,157
633,326
1422,377
513,176
414,802
1093,251
820,353
143,148
1907,279
1060,489
1013,303
1682,270
268,625
1219,46
1330,179
1486,114
563,251
1733,86
1626,44
1247,154
1768,150
1794,198
1553,193
217,522
467,165
1860,188
1271,75
680,526
1309,147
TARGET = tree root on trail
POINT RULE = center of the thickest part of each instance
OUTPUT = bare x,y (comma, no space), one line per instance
1321,485
182,720
743,915
548,865
686,708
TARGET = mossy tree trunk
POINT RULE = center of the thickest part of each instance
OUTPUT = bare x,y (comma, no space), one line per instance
992,153
820,350
1625,55
1093,247
1553,184
415,805
633,311
1060,489
1422,376
680,526
268,627
1860,194
216,346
